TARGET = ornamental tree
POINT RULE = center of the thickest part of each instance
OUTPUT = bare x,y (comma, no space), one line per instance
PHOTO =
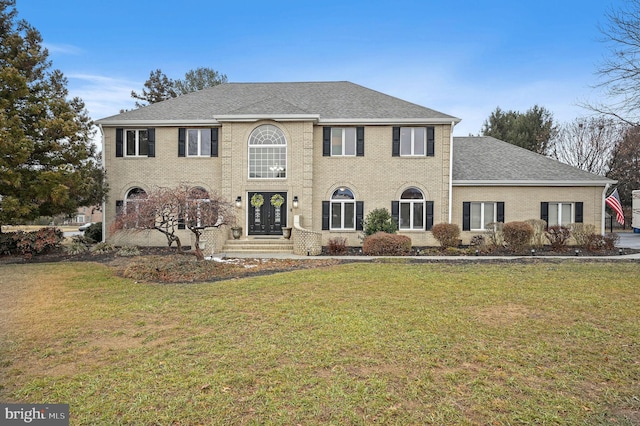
167,210
48,162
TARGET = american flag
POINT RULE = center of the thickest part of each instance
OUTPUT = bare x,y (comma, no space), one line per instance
613,201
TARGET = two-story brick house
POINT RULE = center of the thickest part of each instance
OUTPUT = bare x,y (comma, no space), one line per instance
334,151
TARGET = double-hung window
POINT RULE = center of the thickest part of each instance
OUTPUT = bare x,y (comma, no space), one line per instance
413,141
560,214
343,141
343,210
483,214
199,142
137,143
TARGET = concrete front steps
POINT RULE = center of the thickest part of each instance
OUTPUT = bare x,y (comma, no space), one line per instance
258,245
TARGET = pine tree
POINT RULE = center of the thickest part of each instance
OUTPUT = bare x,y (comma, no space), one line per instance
48,162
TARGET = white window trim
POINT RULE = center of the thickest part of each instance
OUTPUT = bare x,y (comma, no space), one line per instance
252,148
558,205
137,143
412,203
342,204
199,154
424,142
344,142
482,220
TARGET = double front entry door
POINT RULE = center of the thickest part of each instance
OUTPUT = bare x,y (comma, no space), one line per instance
267,213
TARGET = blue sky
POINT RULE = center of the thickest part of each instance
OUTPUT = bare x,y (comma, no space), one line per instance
462,58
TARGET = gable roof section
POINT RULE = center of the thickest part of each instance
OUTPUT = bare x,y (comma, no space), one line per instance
324,102
486,161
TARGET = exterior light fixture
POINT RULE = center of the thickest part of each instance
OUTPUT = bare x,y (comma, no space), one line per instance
295,202
533,252
239,202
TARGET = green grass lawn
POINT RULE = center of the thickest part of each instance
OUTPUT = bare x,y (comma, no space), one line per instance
381,343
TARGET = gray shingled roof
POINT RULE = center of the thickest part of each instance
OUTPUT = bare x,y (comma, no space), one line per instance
486,160
327,100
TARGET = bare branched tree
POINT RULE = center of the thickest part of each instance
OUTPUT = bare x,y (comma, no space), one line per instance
588,143
168,209
620,71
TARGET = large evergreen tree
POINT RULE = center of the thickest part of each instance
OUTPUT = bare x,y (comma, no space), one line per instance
532,130
48,162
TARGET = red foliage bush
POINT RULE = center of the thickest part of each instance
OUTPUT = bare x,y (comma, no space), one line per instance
447,234
383,244
337,246
517,235
38,242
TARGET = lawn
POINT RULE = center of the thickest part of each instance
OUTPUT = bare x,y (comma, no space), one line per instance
353,344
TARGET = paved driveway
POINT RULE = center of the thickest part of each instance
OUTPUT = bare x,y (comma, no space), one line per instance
629,240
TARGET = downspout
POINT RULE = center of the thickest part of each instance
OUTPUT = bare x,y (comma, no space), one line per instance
453,123
104,202
604,195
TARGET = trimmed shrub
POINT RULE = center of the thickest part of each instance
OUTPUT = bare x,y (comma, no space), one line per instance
517,235
38,242
337,246
494,234
558,237
379,220
539,227
94,232
385,244
447,234
583,233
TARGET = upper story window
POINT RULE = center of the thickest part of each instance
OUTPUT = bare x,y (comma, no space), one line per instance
413,141
412,211
343,141
137,143
267,153
199,142
343,210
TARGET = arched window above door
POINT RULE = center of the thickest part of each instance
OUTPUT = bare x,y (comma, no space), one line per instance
267,153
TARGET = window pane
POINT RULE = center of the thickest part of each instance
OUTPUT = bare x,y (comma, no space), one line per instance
405,141
205,142
350,141
489,209
143,142
336,215
418,215
476,220
419,134
349,215
131,142
566,214
405,215
336,141
412,194
192,141
553,214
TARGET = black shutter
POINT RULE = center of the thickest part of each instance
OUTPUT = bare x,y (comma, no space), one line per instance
151,137
466,216
431,139
544,212
579,212
119,143
214,142
359,215
429,215
395,149
395,212
182,136
325,215
119,207
500,212
326,142
360,141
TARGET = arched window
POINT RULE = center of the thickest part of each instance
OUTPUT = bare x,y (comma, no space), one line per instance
199,211
412,211
343,210
267,153
134,198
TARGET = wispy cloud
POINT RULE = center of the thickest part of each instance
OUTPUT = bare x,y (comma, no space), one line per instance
103,96
63,49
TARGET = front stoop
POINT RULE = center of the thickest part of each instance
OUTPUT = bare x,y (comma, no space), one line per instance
276,245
